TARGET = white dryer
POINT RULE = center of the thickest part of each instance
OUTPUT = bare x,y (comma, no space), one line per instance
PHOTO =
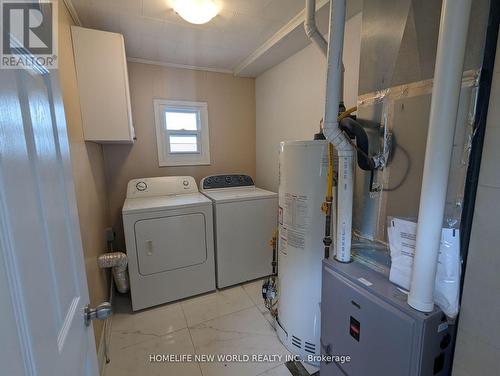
168,229
245,218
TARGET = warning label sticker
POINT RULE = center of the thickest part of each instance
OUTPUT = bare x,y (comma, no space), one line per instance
296,239
282,243
296,211
294,220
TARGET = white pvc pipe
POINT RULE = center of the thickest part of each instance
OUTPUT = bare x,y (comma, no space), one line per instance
311,29
334,77
344,203
444,106
334,135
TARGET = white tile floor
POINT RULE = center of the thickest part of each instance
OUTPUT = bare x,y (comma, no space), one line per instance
230,321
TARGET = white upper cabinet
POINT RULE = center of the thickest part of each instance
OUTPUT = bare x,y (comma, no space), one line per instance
101,70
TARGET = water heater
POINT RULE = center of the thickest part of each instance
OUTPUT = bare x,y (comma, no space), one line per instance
302,190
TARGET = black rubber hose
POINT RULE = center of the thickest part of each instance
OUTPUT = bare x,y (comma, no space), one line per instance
356,130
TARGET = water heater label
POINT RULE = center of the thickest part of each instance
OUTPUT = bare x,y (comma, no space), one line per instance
282,244
296,211
292,238
296,239
296,219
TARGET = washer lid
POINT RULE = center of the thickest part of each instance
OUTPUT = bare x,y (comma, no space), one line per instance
157,203
238,194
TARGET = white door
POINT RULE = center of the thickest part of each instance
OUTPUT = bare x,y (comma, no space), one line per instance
43,288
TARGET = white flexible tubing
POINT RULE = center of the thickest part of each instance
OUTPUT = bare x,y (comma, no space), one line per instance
444,106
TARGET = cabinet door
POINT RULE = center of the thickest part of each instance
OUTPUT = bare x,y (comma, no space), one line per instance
102,76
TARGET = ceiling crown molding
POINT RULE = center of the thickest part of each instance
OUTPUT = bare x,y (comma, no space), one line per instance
72,12
175,65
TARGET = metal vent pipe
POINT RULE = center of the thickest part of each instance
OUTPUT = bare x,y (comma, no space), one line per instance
117,261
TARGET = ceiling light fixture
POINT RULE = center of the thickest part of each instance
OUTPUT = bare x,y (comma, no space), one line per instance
196,11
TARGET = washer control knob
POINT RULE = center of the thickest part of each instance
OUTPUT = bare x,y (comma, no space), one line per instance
141,186
228,179
185,183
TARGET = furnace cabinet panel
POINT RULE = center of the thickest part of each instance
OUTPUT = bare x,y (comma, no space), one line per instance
367,318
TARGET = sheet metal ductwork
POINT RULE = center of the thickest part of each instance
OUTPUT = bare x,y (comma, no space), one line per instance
398,55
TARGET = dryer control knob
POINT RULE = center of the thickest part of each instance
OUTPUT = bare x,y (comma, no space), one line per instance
141,186
185,183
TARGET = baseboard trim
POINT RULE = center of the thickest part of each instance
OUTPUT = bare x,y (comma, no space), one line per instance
101,353
105,337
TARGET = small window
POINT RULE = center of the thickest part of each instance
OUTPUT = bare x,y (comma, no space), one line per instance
182,133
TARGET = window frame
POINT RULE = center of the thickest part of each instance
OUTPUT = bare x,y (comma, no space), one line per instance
165,156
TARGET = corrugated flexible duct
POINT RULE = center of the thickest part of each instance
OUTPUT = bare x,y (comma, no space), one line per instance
118,262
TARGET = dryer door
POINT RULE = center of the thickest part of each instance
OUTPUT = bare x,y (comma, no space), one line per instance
170,243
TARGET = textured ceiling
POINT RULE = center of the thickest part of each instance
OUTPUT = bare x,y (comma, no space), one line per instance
153,31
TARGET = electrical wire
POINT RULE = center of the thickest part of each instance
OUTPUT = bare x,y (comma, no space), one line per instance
407,171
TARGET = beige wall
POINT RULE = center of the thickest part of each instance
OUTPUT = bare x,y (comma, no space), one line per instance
290,100
88,171
478,341
231,117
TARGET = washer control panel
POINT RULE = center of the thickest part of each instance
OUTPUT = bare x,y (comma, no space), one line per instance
226,181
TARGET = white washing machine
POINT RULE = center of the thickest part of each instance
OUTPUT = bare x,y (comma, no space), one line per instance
245,218
168,229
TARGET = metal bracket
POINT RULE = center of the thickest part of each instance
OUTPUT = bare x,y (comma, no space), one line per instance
101,312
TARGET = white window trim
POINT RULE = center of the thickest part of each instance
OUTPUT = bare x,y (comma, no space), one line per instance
165,158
